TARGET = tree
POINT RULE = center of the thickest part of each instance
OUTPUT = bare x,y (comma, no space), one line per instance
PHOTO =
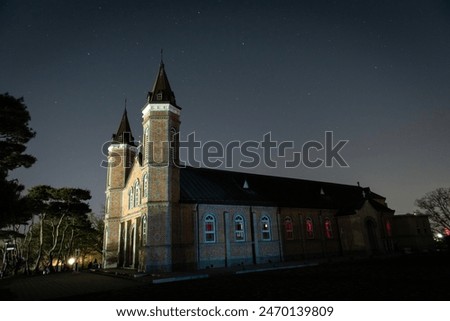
13,207
58,210
14,134
436,204
86,237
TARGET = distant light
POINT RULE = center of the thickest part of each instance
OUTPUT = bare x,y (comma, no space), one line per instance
71,261
439,235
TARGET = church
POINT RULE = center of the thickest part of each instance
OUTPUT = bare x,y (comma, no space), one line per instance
160,216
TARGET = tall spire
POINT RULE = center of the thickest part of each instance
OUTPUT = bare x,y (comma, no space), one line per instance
124,135
161,92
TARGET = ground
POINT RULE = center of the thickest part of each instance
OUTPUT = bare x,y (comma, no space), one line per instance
408,277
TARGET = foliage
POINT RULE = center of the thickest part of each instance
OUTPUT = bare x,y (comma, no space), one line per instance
14,209
14,134
63,221
436,204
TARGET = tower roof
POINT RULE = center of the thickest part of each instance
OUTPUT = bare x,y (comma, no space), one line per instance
124,135
161,92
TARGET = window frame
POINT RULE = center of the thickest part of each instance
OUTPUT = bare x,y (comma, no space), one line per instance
389,228
146,143
239,228
131,198
266,228
145,187
328,227
288,228
309,228
210,234
144,230
173,146
137,193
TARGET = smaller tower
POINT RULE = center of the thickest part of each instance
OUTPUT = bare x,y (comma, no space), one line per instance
121,153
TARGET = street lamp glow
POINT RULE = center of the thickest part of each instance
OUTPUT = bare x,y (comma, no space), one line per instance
71,261
439,235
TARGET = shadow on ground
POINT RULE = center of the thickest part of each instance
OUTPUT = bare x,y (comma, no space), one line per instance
412,277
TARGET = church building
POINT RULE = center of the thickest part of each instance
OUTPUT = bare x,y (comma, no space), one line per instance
160,216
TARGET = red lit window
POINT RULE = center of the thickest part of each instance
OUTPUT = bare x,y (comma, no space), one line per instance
309,228
388,228
210,229
447,232
288,228
328,229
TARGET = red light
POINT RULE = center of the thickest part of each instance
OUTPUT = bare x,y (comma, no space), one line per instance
388,228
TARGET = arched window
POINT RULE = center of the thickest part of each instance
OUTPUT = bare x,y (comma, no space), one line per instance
389,228
137,191
145,185
173,146
144,229
210,229
239,228
288,228
309,228
265,228
146,144
328,229
130,198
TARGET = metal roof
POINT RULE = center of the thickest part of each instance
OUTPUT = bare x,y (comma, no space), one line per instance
212,186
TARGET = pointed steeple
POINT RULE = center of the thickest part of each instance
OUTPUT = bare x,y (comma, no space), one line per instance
161,92
124,135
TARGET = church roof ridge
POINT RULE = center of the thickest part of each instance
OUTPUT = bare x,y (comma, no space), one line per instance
225,171
206,185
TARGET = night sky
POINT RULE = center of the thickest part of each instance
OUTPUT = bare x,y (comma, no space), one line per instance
376,73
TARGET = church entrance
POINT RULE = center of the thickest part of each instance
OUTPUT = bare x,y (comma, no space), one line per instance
127,246
130,251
